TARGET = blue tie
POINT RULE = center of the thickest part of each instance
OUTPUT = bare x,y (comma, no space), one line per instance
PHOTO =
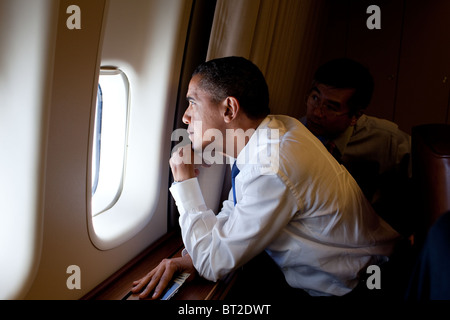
234,173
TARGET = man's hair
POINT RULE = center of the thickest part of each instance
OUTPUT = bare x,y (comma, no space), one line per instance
239,78
344,73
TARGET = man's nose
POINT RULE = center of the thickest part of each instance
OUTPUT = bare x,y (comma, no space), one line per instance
318,111
186,117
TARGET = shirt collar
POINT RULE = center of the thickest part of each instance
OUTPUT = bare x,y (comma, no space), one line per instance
259,138
342,140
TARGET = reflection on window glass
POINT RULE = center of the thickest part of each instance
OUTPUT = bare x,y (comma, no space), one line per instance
110,139
97,140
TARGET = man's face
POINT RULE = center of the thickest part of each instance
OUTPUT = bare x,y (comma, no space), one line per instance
201,116
327,111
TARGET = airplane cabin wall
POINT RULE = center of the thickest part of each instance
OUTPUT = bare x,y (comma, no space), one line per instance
78,56
27,41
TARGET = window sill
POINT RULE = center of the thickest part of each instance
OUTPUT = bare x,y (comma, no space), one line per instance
117,286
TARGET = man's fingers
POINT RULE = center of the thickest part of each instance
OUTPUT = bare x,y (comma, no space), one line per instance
160,277
151,281
162,285
139,284
165,278
155,281
183,155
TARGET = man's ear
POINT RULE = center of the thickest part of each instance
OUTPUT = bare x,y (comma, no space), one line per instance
231,109
356,117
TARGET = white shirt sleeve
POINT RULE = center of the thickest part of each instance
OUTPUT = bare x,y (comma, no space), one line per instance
188,195
219,244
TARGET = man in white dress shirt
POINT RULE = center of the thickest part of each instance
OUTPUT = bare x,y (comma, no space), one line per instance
293,199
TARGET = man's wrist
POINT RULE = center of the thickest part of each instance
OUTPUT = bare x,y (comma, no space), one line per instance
188,195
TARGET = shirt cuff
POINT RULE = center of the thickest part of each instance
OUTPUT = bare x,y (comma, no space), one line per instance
188,195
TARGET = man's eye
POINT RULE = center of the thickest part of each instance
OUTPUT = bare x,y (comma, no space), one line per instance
331,107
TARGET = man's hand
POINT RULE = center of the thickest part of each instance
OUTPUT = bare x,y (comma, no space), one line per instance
158,279
182,164
185,162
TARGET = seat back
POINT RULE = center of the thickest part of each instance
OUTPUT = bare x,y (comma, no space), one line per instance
431,172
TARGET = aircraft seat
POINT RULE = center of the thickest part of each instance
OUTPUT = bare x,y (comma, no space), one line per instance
431,173
430,279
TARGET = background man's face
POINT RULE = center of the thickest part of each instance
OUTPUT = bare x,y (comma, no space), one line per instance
327,110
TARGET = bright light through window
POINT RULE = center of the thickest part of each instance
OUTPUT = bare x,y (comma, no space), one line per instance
110,139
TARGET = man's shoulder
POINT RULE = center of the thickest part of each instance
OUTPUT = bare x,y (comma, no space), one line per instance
284,119
286,124
374,125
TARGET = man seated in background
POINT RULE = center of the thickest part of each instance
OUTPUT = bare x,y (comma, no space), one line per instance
375,151
291,198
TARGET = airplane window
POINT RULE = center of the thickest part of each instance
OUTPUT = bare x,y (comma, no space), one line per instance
110,139
97,141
